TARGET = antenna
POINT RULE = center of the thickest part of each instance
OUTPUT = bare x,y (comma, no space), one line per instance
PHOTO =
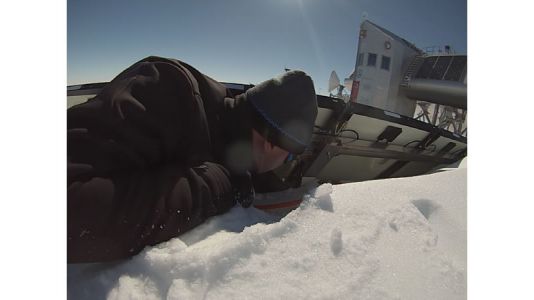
334,83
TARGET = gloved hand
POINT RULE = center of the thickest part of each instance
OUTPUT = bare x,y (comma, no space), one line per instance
243,189
239,188
217,179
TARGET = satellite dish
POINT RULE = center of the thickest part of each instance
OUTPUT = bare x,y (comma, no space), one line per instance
333,82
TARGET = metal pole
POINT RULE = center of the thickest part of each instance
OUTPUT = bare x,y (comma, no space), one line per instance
435,117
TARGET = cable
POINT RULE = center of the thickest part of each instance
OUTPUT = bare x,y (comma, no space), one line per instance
353,139
340,127
411,143
435,147
351,130
338,135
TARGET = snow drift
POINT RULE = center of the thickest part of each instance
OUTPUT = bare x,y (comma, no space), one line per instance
387,239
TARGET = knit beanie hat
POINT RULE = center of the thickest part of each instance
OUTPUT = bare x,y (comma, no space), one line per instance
284,110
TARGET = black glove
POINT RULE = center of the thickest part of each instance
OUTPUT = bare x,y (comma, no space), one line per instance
218,181
243,189
239,188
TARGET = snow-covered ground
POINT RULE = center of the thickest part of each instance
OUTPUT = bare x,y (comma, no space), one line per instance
387,239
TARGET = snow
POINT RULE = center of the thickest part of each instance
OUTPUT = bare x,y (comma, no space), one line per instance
399,238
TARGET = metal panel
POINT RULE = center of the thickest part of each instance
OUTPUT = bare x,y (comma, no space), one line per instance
414,169
365,161
344,168
370,128
443,141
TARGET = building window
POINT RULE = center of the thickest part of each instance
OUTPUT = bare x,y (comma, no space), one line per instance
359,60
371,60
386,60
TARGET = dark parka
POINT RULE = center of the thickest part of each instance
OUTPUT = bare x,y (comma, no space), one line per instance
149,158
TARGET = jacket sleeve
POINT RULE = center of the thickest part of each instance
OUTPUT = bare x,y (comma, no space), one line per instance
149,114
116,217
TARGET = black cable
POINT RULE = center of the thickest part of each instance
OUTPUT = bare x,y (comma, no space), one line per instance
435,147
351,130
411,143
338,135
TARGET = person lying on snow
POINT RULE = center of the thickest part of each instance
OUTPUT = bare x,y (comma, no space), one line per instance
163,147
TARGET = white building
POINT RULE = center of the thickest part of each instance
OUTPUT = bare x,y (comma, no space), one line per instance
382,59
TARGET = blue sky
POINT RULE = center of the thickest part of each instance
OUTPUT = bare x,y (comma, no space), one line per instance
247,41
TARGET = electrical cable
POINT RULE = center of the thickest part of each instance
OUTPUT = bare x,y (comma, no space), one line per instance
338,135
411,143
351,130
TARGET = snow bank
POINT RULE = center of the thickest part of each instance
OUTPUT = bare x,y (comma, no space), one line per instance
387,239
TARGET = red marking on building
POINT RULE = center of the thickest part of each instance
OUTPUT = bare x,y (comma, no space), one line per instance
354,91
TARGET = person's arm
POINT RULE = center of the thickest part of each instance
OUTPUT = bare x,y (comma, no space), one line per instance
115,218
148,115
137,171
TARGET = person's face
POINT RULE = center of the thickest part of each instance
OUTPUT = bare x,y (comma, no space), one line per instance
267,156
